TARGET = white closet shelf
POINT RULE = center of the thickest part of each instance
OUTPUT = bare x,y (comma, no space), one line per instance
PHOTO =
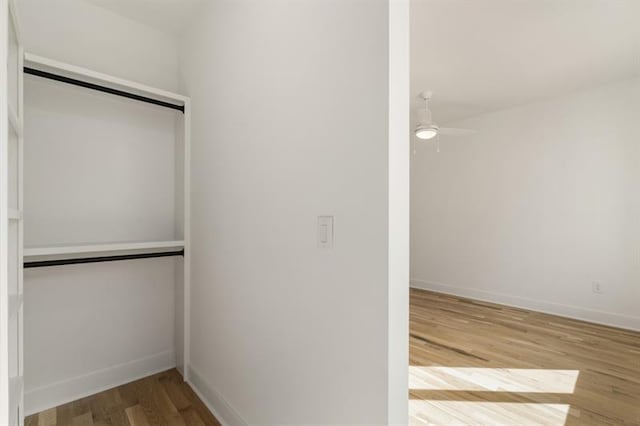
71,71
107,249
15,214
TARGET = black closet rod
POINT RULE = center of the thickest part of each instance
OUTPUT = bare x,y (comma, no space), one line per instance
45,263
63,79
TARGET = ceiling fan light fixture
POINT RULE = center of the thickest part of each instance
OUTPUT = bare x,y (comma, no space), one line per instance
426,133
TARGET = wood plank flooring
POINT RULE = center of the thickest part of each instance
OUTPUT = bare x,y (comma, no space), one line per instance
161,399
479,363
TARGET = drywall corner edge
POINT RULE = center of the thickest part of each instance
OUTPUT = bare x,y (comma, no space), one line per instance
215,402
398,213
568,311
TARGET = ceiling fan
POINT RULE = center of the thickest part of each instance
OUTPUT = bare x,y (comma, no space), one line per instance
426,129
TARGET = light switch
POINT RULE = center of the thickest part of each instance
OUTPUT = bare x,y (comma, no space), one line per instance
325,231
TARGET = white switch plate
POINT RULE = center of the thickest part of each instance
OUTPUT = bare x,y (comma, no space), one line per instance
325,231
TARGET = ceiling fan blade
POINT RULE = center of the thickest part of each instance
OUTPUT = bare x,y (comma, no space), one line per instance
450,131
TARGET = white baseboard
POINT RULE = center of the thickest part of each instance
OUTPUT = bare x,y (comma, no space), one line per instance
220,407
52,395
569,311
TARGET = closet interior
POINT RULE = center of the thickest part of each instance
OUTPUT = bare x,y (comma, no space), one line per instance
106,231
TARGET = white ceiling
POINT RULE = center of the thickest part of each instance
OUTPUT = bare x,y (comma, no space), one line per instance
165,15
485,55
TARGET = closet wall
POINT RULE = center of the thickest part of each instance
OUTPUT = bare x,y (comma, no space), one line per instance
75,32
98,169
290,124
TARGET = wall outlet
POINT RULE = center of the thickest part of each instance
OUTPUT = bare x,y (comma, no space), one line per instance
596,287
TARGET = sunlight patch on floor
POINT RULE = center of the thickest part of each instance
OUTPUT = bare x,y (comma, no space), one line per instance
486,413
492,379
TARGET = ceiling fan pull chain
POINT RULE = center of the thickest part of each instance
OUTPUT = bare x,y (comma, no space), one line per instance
438,145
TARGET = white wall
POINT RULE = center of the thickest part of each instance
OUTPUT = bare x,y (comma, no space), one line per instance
536,206
97,169
290,121
90,327
79,33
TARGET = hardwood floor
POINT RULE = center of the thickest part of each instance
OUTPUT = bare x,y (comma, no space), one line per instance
479,363
470,363
161,399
